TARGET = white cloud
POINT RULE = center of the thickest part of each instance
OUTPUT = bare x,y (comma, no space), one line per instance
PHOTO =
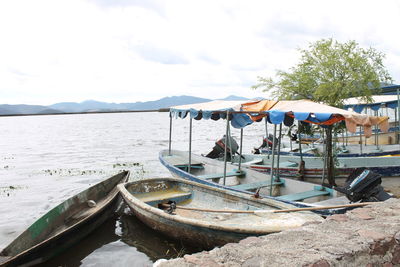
131,50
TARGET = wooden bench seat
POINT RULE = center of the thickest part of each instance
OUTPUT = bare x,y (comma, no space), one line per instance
256,185
318,191
252,162
221,175
154,198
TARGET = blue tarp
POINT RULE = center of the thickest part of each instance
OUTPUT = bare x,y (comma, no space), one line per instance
241,120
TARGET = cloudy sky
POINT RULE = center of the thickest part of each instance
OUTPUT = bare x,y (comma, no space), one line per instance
140,50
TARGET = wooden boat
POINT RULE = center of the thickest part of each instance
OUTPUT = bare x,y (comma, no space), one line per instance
64,225
388,138
206,216
289,165
351,150
211,172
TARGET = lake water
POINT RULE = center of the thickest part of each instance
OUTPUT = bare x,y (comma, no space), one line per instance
47,159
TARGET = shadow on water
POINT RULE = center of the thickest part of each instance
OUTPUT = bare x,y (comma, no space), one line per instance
121,241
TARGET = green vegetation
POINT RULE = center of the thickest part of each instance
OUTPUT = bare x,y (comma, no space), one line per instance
329,72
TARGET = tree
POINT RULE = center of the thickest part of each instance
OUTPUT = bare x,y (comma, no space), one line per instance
329,72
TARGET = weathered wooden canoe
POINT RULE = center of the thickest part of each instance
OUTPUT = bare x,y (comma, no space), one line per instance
64,225
210,172
198,219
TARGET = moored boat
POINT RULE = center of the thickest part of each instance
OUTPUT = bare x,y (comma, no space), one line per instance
387,166
65,224
206,216
211,172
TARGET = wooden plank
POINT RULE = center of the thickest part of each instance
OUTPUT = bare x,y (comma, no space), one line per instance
178,160
153,198
252,186
304,195
252,162
220,175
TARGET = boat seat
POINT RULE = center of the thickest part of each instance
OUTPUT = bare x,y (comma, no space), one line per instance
318,191
310,149
185,167
178,161
252,162
221,175
256,185
164,196
288,164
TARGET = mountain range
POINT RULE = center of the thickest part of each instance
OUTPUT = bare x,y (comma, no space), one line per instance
93,106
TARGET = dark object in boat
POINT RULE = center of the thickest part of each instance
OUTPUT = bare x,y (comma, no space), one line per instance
267,141
218,150
65,224
363,185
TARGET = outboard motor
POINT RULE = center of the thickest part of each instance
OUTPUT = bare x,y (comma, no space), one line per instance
218,150
363,185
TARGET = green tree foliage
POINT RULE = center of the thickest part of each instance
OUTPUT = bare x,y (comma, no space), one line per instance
330,72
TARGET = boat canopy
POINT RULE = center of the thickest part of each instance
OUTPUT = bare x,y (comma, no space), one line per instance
378,101
243,113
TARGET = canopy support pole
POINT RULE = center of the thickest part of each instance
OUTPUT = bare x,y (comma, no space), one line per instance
240,148
361,141
324,159
170,134
279,152
273,162
376,133
190,145
226,146
301,170
266,135
398,115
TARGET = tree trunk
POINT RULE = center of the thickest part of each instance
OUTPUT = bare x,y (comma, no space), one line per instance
330,162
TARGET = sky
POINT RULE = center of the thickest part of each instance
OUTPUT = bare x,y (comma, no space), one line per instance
141,50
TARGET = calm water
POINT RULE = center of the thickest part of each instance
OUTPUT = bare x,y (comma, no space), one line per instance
47,159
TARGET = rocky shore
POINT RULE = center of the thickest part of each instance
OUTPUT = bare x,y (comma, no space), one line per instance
368,236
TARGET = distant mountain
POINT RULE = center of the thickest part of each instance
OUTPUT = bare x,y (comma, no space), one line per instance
26,109
166,102
87,105
92,105
234,98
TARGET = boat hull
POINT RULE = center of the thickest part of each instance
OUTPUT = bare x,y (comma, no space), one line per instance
198,228
64,225
239,183
386,166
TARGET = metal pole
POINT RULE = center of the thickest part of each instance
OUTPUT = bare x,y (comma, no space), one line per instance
240,148
273,161
398,115
301,152
266,134
170,134
225,151
279,151
324,157
229,143
190,145
360,141
376,133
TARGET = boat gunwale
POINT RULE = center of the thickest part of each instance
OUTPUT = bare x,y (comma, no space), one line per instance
109,197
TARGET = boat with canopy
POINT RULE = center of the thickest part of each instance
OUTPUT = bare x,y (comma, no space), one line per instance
241,114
